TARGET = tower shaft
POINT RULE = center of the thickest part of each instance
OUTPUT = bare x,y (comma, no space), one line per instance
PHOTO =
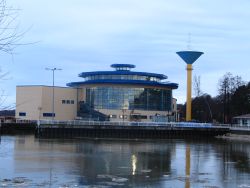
189,92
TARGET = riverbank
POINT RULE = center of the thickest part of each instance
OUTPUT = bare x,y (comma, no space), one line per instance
235,137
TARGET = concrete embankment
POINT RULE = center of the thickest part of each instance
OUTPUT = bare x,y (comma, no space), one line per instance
124,132
127,132
240,131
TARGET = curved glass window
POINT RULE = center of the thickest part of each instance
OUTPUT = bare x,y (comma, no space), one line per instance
122,77
129,98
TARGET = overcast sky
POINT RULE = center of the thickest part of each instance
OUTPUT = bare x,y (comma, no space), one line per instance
89,35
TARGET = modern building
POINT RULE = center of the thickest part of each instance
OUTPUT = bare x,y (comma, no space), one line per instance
243,120
119,95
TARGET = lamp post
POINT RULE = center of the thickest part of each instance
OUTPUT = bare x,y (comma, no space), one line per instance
53,91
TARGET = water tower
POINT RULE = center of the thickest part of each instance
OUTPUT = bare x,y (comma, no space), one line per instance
189,57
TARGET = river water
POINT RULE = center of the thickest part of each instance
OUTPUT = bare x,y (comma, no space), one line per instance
29,162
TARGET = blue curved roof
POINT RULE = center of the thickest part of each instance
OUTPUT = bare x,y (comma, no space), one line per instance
125,82
122,65
86,74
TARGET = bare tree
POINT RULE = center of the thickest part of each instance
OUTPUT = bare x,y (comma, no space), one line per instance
9,39
227,86
229,83
9,33
197,86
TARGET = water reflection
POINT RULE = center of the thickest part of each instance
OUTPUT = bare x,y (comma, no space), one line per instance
170,163
135,161
187,182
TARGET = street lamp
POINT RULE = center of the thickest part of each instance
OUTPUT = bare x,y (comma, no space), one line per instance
53,92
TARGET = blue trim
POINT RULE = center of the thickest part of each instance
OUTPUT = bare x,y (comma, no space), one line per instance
122,66
125,82
86,74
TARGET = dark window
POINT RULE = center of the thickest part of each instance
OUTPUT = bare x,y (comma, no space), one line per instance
63,101
48,114
244,121
22,113
137,117
143,117
72,101
68,101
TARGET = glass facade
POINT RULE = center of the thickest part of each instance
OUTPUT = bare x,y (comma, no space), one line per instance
122,77
129,98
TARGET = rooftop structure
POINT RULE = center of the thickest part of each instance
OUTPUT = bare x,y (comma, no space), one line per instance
123,75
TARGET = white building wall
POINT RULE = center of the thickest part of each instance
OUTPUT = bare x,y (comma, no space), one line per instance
63,111
28,101
37,100
174,109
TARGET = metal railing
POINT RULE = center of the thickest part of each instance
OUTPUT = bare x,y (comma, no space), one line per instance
19,121
129,123
239,127
234,126
120,123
